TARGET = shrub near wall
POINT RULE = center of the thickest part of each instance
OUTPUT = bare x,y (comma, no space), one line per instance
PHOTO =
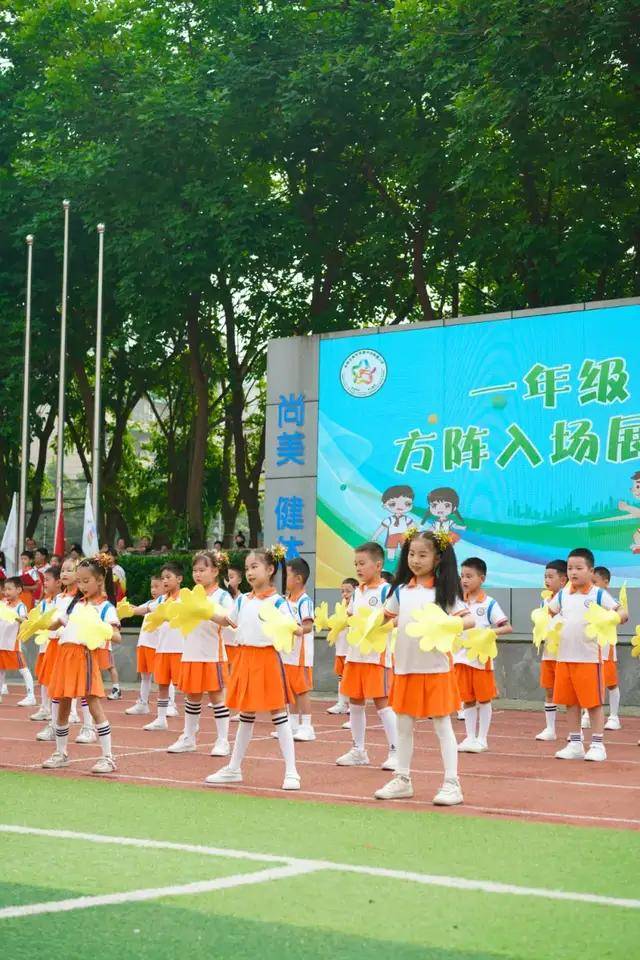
139,569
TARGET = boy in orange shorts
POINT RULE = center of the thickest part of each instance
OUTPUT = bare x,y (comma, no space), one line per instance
602,579
476,681
169,649
298,664
579,671
555,578
367,676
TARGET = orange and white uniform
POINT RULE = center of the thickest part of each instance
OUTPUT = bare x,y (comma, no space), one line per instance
204,667
10,654
230,639
168,656
476,681
43,606
549,660
424,683
367,675
147,639
298,664
340,653
76,671
579,670
258,679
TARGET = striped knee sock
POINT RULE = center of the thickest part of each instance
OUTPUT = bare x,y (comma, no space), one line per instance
243,738
221,715
285,739
62,737
550,714
54,711
104,738
86,715
191,718
162,709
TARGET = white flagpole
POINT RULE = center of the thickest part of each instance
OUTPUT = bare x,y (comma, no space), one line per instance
63,364
97,402
24,460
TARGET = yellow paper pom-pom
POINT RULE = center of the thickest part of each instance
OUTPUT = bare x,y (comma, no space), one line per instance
552,640
321,616
279,627
41,637
434,629
37,620
157,616
541,619
368,630
90,629
546,594
7,613
601,625
338,621
480,643
125,609
635,643
623,598
193,609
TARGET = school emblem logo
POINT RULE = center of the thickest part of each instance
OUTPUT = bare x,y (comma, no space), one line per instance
480,611
363,373
373,601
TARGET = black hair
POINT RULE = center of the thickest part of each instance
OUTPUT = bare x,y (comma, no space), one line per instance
3,559
211,558
52,572
16,581
374,550
172,567
447,581
400,490
238,569
387,576
272,560
447,494
43,551
101,570
300,566
583,553
475,563
27,553
636,475
156,575
352,581
560,566
76,548
604,572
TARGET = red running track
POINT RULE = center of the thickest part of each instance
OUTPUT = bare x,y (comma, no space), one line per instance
518,778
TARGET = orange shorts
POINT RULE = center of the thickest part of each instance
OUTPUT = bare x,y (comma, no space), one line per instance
579,684
258,681
105,658
610,673
300,678
475,684
365,681
50,656
166,668
76,673
232,654
196,677
11,660
547,674
425,694
338,666
145,659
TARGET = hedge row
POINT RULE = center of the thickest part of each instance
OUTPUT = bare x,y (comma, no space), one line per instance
139,569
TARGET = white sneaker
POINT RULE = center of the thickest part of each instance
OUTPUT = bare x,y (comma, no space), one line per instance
183,744
157,724
172,710
449,794
28,701
400,788
573,751
221,748
224,775
346,725
138,709
87,735
115,694
391,761
470,745
235,718
304,734
104,765
585,722
596,752
353,758
4,691
43,713
546,735
613,723
338,708
47,733
74,718
291,781
56,760
460,715
484,746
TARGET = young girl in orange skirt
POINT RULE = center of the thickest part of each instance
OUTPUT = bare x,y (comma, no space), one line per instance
63,602
234,585
258,682
146,649
347,589
424,683
10,655
76,672
204,664
51,583
169,647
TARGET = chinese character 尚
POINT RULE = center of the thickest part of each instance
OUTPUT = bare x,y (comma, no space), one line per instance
547,382
519,443
289,513
574,440
291,545
464,446
415,443
603,381
291,410
623,441
290,449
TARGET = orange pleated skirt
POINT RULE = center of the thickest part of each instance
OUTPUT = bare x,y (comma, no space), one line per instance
258,681
50,657
76,673
425,694
197,677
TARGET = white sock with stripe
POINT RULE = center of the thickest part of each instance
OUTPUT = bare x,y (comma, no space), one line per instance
54,712
550,714
221,714
192,713
62,738
162,709
104,738
286,741
243,739
87,719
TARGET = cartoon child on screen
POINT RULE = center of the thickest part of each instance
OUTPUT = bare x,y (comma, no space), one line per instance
633,511
398,502
443,503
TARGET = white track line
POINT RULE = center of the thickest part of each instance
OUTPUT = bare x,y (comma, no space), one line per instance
292,867
154,893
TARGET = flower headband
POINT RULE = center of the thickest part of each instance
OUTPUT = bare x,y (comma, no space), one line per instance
277,551
104,560
443,539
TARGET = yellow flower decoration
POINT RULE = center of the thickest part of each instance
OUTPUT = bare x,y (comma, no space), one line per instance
480,643
368,630
546,594
541,619
434,629
624,600
41,637
552,640
194,608
338,621
279,627
321,616
125,609
157,617
90,629
635,643
37,620
601,625
393,640
7,613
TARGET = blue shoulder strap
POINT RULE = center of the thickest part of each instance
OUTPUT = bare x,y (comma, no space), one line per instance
385,592
560,600
599,596
489,609
105,608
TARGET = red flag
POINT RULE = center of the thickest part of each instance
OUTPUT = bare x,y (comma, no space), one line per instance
58,542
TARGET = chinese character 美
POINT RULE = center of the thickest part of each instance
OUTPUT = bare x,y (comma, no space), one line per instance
290,449
291,410
547,382
289,513
603,381
573,440
623,442
291,545
418,443
464,446
519,442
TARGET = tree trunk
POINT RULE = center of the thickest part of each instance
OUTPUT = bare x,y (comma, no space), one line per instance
419,279
229,505
43,445
195,479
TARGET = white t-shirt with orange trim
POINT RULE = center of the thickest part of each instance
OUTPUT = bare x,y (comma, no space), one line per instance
149,638
408,657
9,631
205,643
487,612
302,653
371,598
245,617
570,607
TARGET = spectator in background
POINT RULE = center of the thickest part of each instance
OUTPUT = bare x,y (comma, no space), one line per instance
56,560
218,545
76,551
240,541
121,545
3,569
30,544
42,560
165,548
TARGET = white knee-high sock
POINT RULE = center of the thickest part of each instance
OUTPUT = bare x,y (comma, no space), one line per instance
448,746
62,738
162,709
44,697
221,714
388,720
285,739
104,738
470,721
74,706
550,714
614,701
87,720
27,678
243,739
485,711
358,725
54,712
405,744
145,687
192,713
172,694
